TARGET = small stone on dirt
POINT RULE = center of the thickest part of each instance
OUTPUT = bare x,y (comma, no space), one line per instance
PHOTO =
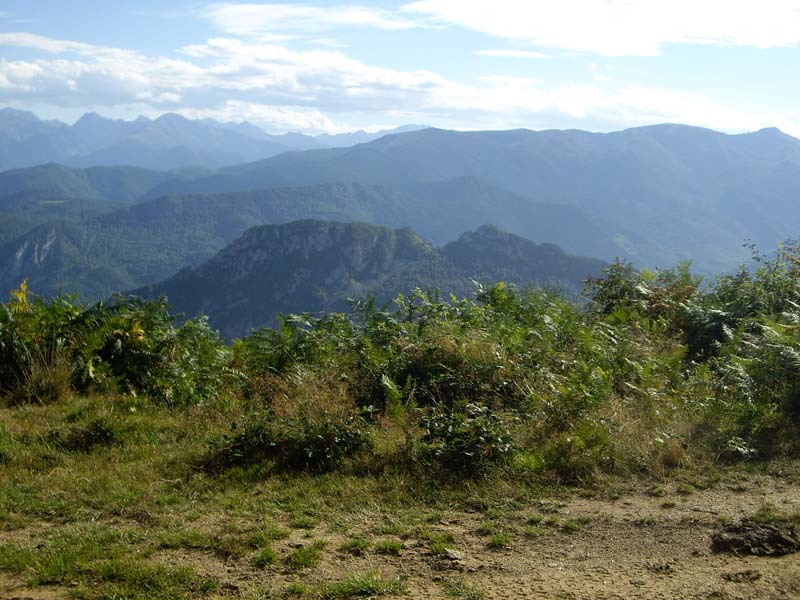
660,568
453,554
746,576
749,537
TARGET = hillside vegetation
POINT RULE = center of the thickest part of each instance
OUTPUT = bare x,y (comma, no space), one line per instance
685,192
652,195
711,367
57,182
131,446
96,251
318,266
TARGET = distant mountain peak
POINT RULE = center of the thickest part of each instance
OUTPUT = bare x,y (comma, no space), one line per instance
19,114
774,131
489,242
170,141
172,118
92,123
488,231
316,266
410,127
90,116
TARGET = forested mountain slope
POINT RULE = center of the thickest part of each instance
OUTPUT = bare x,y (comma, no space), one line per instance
686,192
147,242
316,266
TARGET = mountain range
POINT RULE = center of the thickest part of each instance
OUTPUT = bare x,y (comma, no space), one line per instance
169,142
686,192
141,243
653,195
316,266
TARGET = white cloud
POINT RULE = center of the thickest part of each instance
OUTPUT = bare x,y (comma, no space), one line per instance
327,42
278,86
37,42
641,105
324,78
622,27
32,41
510,53
259,19
271,118
608,27
598,73
322,90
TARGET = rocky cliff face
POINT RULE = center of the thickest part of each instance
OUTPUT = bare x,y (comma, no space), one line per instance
27,255
304,266
492,251
316,266
340,253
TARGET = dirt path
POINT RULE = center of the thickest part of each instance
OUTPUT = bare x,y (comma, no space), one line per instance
650,543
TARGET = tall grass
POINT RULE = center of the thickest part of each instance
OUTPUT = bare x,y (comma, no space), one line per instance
653,371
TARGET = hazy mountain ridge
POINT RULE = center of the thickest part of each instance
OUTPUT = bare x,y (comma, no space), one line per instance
146,242
42,194
316,266
686,192
58,182
170,141
654,195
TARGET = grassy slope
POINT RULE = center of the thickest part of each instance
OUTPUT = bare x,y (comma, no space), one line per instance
133,517
498,429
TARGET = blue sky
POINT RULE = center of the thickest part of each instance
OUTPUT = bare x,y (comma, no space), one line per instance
334,66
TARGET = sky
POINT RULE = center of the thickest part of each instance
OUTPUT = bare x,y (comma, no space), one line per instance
330,66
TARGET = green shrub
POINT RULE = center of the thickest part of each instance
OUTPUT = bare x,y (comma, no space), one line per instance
266,535
305,557
465,443
298,340
389,547
500,541
578,456
438,542
46,376
618,288
266,556
145,352
319,443
445,374
38,341
49,347
356,546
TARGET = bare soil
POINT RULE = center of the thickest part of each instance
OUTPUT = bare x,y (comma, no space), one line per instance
651,542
